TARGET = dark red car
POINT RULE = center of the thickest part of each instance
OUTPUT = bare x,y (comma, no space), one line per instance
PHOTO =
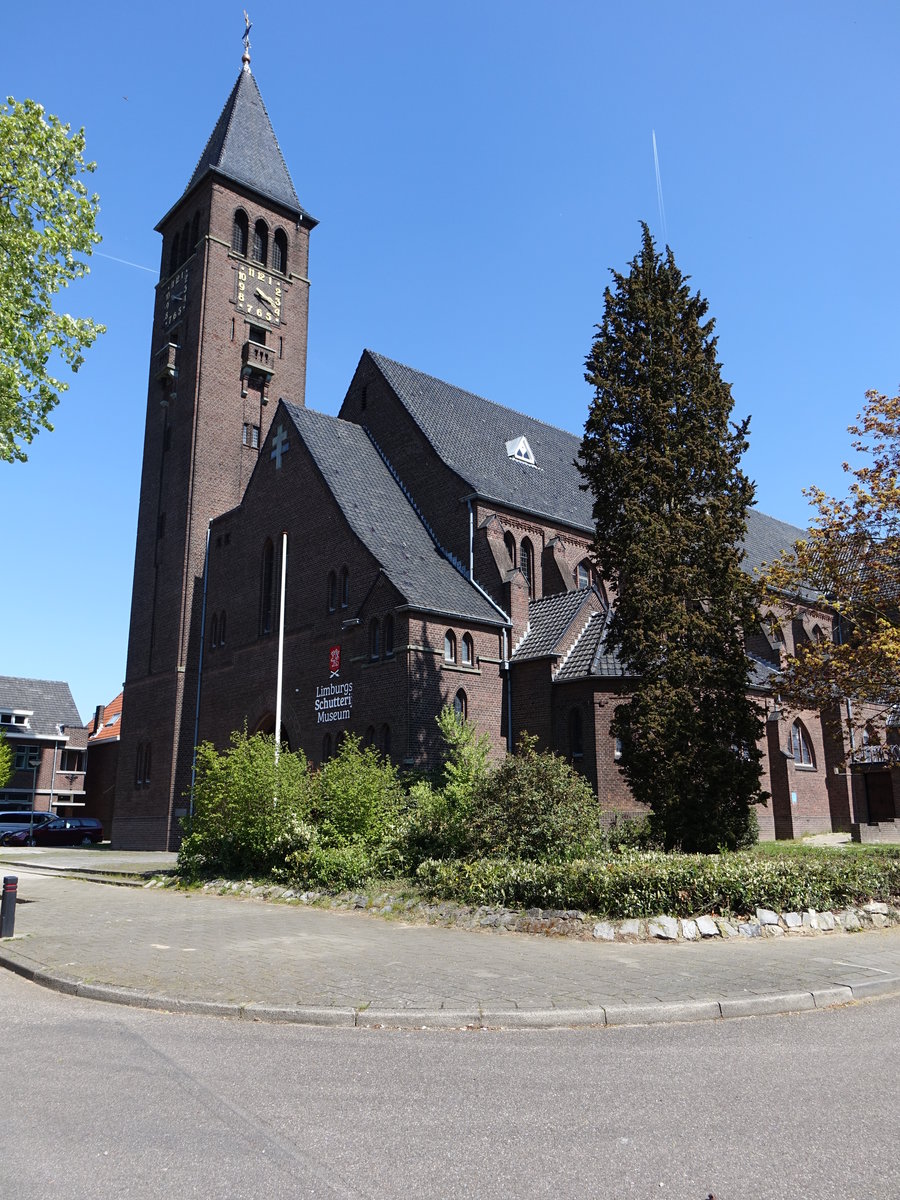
61,831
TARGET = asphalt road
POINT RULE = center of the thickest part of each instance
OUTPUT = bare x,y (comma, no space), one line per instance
102,1101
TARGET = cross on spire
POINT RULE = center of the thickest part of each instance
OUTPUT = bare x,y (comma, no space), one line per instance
245,57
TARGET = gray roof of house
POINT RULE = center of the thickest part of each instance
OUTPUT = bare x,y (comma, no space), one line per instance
244,149
381,515
470,434
50,700
548,620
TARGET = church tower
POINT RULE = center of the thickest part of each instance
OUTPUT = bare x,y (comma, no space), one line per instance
229,339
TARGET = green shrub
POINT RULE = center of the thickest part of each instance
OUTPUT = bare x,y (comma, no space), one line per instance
534,805
648,884
357,796
247,811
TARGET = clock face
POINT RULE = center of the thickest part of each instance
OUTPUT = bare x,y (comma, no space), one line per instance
175,299
258,294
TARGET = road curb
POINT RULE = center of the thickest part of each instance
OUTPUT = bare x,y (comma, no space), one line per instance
403,1018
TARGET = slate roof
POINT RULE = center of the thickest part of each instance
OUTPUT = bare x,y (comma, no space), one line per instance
244,149
470,434
587,657
548,620
49,700
380,514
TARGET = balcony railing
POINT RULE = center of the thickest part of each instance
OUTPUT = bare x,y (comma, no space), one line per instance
260,359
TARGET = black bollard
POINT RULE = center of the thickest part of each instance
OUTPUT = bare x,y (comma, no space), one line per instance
8,906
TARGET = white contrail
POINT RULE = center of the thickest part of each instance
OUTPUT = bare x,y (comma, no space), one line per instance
659,191
124,262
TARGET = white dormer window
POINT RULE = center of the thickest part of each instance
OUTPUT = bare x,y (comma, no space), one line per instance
519,450
16,717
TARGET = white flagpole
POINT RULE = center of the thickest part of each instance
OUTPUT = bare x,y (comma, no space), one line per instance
280,648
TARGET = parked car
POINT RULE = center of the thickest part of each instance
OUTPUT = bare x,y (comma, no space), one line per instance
61,831
16,819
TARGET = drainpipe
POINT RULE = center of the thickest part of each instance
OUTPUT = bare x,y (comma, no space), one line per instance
200,670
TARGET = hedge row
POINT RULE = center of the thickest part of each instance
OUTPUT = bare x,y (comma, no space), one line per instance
680,885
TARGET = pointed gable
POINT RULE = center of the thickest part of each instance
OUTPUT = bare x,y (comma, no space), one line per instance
243,148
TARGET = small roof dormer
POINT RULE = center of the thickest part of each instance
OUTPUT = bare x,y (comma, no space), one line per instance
519,450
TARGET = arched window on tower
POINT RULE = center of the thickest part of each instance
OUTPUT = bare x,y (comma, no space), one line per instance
267,589
260,242
526,564
279,252
174,251
195,231
239,232
186,248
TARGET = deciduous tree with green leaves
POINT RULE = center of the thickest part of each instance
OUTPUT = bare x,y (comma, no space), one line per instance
849,564
47,231
662,460
6,760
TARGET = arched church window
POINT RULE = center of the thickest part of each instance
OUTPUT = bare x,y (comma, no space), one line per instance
461,705
174,251
583,574
239,232
279,252
467,652
195,231
800,747
267,588
374,643
510,543
526,564
260,242
450,646
388,636
186,248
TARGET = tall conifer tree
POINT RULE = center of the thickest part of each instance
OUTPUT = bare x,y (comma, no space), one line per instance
662,459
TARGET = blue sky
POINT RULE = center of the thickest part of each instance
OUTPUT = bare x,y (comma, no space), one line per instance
477,169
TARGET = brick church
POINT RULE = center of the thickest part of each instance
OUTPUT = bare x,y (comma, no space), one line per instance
324,575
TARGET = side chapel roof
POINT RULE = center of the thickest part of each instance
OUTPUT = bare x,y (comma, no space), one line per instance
382,517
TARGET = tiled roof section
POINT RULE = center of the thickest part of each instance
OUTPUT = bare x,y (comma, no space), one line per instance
243,147
50,701
111,723
470,434
382,517
761,672
587,656
548,620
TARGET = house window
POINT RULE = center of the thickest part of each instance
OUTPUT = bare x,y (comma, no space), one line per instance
267,588
374,644
260,242
71,761
510,543
467,657
239,232
800,747
332,591
461,705
450,646
583,574
279,252
250,436
345,587
257,335
26,758
526,564
388,636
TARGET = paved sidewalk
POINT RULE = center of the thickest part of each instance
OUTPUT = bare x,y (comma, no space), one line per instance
241,957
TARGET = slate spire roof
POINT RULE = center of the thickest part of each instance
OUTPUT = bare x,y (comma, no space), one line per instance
243,148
